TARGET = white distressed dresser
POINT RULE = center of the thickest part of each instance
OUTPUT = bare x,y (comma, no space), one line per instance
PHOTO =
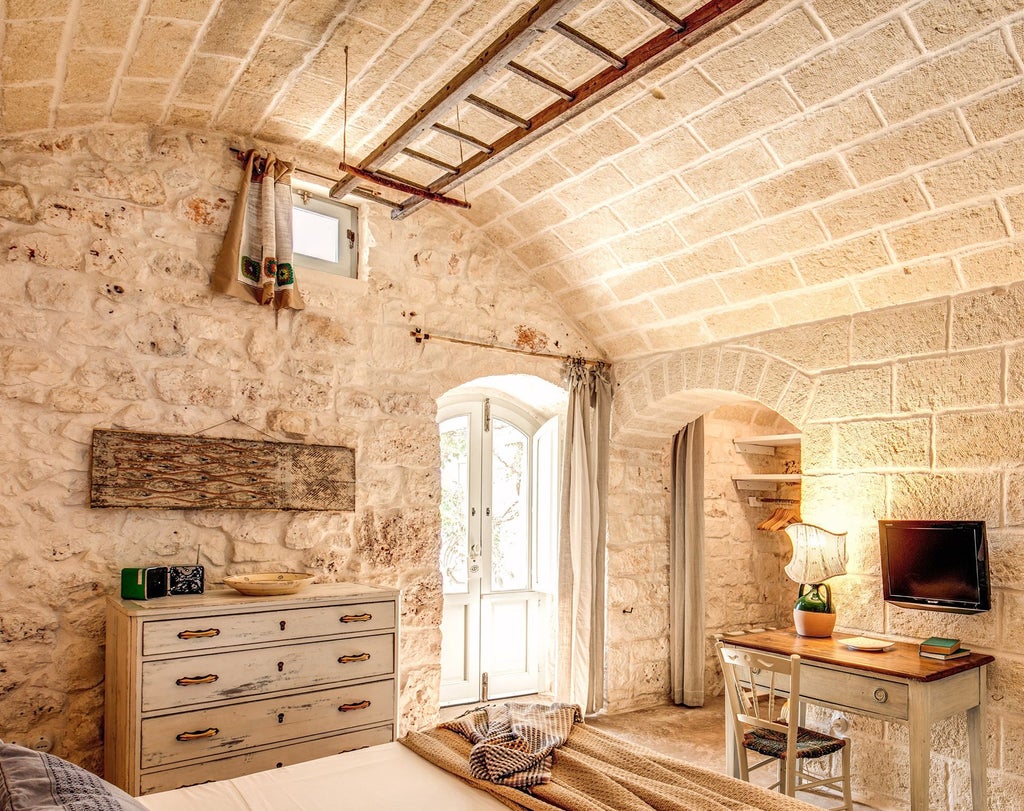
216,685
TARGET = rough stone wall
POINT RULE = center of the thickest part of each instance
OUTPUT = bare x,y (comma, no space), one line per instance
636,669
914,411
745,583
107,321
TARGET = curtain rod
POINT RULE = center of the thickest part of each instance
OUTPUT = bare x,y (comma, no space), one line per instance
422,336
364,193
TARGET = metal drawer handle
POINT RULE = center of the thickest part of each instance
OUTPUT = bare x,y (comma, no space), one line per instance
362,705
360,657
185,681
880,694
195,736
199,634
356,618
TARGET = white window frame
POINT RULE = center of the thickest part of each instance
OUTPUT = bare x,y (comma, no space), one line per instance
305,196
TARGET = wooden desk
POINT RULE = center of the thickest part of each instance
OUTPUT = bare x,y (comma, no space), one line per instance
894,685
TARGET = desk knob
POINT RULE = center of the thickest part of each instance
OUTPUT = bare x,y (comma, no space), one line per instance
881,695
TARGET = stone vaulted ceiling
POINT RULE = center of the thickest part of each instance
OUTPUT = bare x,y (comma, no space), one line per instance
814,159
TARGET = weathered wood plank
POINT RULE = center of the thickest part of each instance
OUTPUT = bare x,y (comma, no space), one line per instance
132,469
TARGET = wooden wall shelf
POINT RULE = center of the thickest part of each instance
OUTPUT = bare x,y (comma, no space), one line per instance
764,481
766,445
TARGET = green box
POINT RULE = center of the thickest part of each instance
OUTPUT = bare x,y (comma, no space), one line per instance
144,582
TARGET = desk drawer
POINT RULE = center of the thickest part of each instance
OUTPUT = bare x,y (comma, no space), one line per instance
237,765
841,689
223,631
172,683
222,730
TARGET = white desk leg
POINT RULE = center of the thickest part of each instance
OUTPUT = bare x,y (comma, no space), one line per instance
976,743
920,728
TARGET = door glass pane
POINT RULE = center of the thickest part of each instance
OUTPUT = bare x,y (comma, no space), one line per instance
455,504
545,506
510,526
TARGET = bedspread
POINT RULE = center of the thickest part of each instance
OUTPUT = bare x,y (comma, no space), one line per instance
595,771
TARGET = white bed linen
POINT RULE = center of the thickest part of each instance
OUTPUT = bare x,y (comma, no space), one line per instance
388,777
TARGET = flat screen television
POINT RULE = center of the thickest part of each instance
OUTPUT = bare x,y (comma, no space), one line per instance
935,565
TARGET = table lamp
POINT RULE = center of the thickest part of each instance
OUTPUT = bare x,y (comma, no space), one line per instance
817,555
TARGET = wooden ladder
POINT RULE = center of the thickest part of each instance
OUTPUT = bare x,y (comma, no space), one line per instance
679,34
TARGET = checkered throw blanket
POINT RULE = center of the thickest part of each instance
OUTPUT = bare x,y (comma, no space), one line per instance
513,743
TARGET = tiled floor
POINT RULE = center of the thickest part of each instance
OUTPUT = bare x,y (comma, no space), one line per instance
694,735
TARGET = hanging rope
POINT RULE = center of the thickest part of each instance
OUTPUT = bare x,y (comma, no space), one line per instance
344,115
462,159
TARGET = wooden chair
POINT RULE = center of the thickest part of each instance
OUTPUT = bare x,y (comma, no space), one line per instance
763,701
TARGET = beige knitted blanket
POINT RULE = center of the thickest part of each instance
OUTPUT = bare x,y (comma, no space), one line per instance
595,771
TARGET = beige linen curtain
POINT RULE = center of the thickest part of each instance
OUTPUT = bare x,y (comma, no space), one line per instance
255,261
582,542
686,567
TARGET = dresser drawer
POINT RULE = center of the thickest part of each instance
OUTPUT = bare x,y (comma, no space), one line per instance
237,765
844,690
224,631
170,683
221,730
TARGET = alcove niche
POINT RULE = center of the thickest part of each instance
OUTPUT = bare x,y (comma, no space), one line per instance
746,586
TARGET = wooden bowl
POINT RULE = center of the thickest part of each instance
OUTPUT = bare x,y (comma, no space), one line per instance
266,584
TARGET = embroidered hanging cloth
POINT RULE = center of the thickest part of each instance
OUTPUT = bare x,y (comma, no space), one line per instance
255,262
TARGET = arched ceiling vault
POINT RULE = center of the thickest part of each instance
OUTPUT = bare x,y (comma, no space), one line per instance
814,159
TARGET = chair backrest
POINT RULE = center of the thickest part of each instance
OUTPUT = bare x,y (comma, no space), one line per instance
762,690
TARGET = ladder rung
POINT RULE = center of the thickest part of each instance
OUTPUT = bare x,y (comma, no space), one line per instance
586,42
655,9
499,112
366,194
397,179
422,156
461,136
542,81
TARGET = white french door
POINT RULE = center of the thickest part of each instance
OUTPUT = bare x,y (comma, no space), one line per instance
498,521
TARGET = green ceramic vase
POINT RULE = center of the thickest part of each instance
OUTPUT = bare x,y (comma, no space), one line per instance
817,598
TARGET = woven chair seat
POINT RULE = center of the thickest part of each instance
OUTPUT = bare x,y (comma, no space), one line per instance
808,743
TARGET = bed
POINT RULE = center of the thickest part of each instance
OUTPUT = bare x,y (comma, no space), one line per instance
590,770
523,756
386,777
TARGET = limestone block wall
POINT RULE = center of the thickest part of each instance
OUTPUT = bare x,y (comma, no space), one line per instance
745,584
814,160
107,321
637,650
914,411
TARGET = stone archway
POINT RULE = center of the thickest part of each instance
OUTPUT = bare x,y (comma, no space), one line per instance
654,401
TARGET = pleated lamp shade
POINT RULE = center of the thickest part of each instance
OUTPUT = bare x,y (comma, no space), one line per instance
817,553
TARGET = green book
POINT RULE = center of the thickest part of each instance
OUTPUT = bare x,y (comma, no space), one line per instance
939,644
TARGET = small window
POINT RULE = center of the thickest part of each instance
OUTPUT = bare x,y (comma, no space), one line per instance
323,234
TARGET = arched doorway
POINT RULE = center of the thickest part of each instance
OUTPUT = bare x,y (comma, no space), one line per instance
500,440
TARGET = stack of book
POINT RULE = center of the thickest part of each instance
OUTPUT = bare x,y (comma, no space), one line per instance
938,647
